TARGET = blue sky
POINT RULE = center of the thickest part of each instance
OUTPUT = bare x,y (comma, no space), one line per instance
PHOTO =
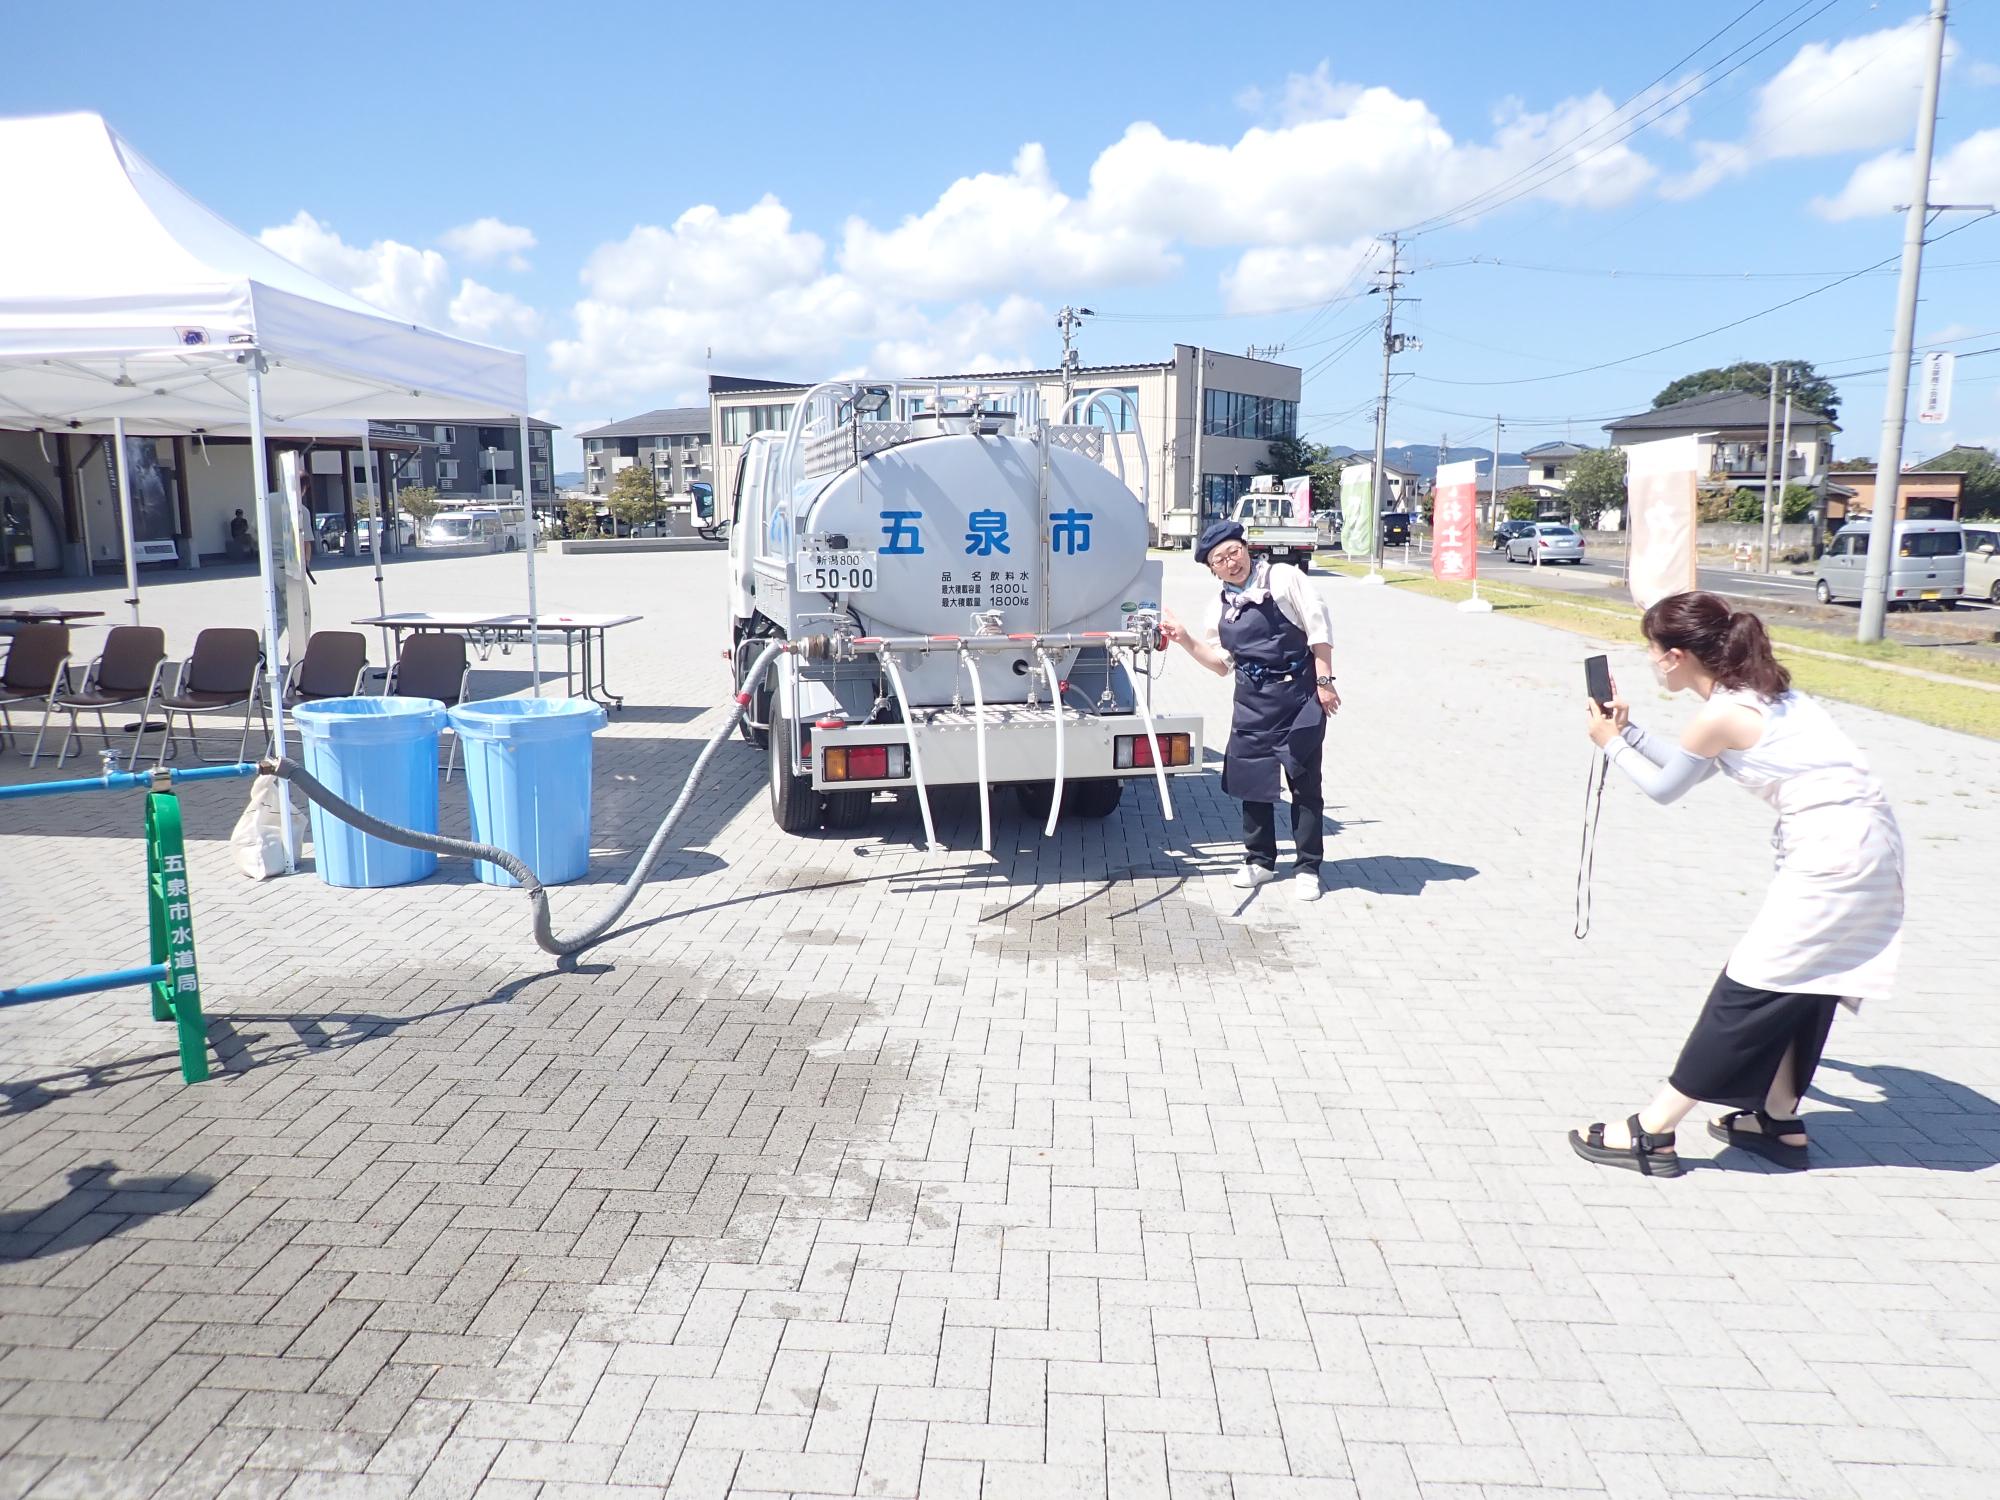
619,188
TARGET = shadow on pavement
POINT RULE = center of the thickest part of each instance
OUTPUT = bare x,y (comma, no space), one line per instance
94,1208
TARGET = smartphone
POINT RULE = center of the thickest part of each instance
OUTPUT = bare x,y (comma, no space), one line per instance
1597,680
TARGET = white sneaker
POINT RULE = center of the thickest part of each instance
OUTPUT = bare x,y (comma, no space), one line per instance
1249,877
1305,886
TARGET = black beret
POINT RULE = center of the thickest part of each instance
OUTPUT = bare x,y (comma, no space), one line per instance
1213,535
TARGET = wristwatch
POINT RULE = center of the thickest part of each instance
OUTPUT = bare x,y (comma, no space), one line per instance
1323,681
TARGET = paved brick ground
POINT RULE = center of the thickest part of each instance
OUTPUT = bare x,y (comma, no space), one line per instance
854,1169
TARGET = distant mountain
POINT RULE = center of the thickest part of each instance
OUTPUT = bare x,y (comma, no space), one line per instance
1422,458
571,481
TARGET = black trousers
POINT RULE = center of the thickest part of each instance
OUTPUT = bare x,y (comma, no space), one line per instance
1260,824
1741,1037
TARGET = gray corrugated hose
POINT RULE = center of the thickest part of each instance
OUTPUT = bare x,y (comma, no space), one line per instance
545,933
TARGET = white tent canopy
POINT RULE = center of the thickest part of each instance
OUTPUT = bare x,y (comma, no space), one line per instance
128,307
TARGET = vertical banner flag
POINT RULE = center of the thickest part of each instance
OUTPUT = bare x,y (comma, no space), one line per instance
1301,492
1357,510
1660,483
1936,390
1455,522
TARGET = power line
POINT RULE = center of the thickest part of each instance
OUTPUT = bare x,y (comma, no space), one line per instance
1422,225
1622,275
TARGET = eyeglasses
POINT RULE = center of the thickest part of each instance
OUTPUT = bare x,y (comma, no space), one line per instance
1228,552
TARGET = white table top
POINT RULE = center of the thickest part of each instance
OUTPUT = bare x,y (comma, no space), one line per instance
477,620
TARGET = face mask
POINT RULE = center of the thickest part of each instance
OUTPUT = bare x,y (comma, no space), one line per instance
1660,671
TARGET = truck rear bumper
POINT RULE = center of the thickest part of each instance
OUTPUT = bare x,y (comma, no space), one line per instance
1020,746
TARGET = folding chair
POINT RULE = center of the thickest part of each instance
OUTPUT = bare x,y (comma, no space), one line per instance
331,667
433,665
222,673
37,669
127,672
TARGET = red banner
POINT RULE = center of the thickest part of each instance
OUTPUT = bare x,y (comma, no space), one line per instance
1455,523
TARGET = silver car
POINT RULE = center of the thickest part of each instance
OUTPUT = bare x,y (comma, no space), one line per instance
1927,567
1548,542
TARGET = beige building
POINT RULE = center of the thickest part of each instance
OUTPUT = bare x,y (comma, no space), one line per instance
1197,467
673,443
1731,429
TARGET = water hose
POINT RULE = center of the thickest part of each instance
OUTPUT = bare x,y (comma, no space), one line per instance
550,941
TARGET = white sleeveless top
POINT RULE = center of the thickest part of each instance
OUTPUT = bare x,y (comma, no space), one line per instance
1832,921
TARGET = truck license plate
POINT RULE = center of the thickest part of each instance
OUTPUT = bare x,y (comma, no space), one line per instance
1930,593
827,571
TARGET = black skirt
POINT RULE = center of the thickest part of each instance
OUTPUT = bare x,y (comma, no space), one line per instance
1742,1036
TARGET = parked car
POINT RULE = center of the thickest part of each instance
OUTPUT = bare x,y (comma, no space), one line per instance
1928,565
1548,542
1395,528
402,532
1982,560
1506,531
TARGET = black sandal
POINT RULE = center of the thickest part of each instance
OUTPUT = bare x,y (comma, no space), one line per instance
1764,1140
1649,1155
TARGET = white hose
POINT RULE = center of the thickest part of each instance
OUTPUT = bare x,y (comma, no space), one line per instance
1055,702
1153,737
979,738
916,756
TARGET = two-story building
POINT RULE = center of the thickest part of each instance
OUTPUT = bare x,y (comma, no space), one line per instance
1731,428
1549,465
1203,420
675,444
472,461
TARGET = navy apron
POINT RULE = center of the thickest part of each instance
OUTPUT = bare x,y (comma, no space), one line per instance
1278,724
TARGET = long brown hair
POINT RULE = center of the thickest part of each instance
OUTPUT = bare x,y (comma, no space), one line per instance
1731,644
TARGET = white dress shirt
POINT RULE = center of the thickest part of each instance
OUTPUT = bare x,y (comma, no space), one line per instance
1297,599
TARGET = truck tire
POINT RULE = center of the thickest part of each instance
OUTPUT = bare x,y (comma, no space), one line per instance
1092,797
794,803
846,810
1303,560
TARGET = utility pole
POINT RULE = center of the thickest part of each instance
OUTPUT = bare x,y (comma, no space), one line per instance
1770,444
1069,320
1196,487
1493,480
1393,343
1889,470
1784,468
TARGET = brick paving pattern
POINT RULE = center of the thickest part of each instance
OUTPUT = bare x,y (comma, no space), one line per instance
853,1169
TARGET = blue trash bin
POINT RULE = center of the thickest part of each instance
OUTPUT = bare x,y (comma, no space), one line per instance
381,754
527,779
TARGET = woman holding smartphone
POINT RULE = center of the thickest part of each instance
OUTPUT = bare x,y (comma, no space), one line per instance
1830,927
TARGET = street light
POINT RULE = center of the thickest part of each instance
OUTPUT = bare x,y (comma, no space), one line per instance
493,475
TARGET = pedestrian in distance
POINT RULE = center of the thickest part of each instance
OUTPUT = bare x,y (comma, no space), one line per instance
1269,626
1829,931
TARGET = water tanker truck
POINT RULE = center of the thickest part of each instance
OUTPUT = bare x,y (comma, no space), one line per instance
964,578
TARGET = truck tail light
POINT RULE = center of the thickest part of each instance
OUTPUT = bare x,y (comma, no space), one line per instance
1135,751
865,763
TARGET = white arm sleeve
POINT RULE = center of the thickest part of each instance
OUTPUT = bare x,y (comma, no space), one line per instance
1301,603
1680,774
1639,740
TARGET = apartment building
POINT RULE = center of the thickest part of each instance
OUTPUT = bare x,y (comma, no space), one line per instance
674,443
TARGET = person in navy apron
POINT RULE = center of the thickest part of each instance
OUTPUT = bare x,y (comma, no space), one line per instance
1268,626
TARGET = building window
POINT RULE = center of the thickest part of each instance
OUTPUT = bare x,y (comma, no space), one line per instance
445,434
1260,418
738,422
447,471
1548,471
1220,492
1112,414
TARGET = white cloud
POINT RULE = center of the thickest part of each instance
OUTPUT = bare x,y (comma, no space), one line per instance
1851,95
1275,276
406,282
1968,173
1378,160
400,279
969,337
486,240
481,312
1303,96
1002,229
706,256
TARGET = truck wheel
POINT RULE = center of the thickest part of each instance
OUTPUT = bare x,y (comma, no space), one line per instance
1303,561
847,809
794,803
1093,797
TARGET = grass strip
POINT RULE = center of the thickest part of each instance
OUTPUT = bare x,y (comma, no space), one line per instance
1852,678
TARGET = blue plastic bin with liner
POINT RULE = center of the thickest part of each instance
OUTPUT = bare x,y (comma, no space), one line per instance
527,778
381,754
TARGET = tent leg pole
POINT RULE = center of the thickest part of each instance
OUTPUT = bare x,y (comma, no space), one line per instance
528,541
274,672
125,516
376,521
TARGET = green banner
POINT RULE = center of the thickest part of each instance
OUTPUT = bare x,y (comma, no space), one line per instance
1357,510
170,915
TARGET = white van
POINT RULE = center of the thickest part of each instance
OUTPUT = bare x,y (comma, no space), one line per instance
1928,565
1982,560
483,528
